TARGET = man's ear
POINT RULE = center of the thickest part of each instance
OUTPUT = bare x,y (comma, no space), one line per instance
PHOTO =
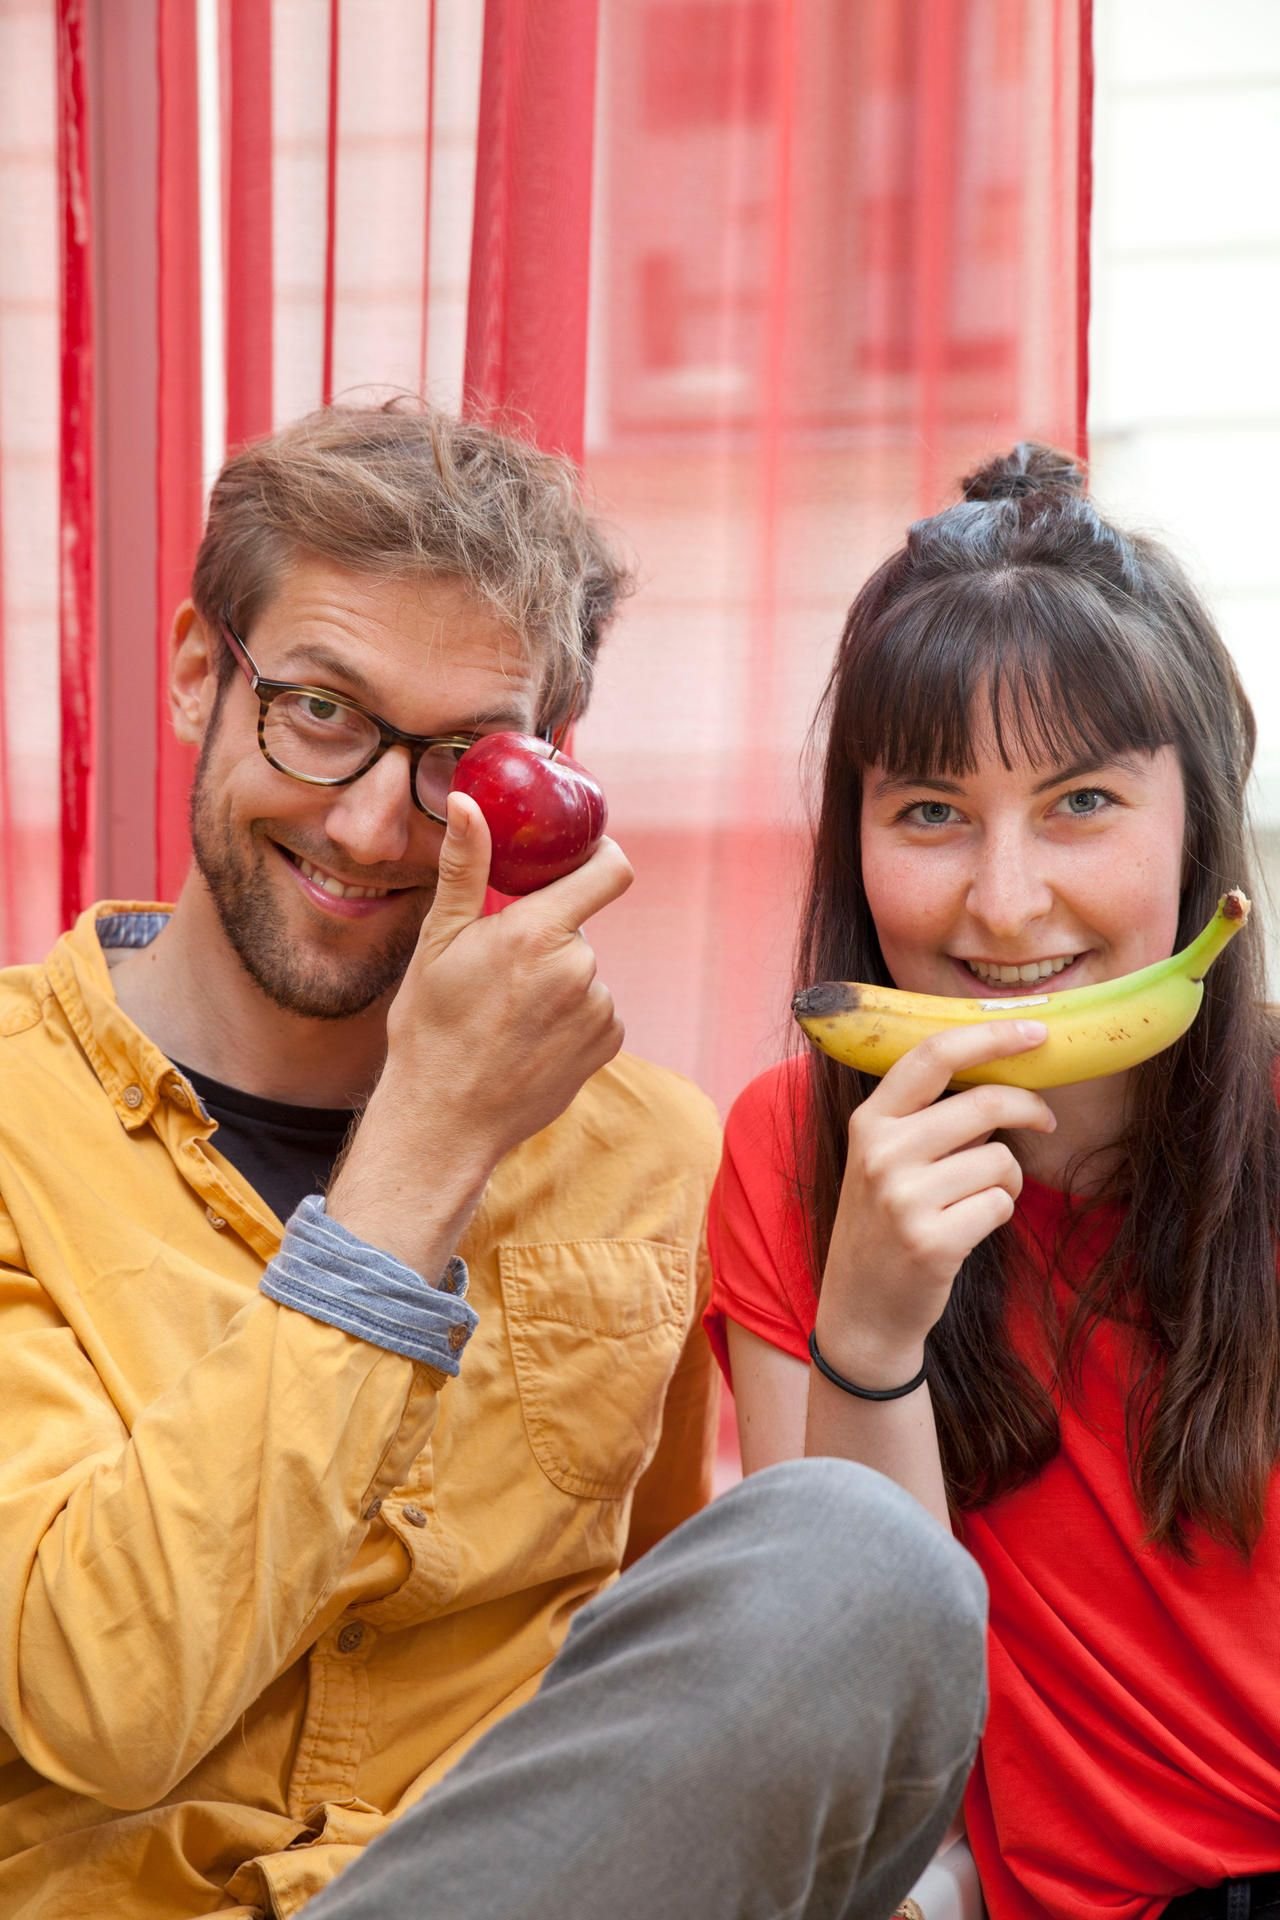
193,674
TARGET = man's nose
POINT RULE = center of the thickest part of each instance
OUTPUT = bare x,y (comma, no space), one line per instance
1009,889
372,819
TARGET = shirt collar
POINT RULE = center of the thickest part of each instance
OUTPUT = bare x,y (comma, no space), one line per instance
133,1071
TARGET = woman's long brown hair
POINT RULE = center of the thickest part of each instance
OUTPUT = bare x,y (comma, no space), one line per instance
1023,606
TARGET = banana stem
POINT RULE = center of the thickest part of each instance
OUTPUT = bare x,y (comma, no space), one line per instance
1233,911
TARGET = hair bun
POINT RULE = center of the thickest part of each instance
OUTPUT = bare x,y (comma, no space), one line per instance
1028,468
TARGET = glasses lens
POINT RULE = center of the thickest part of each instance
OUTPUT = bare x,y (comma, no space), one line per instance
435,774
317,736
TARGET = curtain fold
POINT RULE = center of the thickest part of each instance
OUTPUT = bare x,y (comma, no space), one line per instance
9,847
178,401
331,197
31,228
526,352
777,275
250,315
78,602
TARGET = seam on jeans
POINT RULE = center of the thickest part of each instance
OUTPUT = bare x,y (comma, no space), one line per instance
930,1787
801,1905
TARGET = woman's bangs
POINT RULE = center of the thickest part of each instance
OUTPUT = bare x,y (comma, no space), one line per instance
1044,672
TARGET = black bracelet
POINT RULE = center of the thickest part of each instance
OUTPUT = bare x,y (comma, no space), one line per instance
828,1372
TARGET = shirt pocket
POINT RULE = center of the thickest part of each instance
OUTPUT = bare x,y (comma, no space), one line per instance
596,1328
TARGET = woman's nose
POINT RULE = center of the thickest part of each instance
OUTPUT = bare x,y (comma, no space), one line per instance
1008,890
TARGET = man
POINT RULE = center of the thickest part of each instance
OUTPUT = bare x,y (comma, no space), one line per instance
292,1514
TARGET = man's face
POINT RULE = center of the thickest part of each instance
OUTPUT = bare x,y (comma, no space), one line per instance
426,656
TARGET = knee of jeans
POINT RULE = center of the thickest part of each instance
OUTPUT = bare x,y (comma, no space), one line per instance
843,1553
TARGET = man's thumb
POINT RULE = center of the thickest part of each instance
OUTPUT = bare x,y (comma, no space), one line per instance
463,875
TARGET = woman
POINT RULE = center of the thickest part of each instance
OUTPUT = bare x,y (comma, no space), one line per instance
1053,1317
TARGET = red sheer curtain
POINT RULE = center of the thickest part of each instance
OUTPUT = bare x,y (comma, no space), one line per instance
776,274
530,257
31,228
179,414
78,547
838,261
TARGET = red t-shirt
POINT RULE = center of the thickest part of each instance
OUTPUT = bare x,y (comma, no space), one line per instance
1132,1748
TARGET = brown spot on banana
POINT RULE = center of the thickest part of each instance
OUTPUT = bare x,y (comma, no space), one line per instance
827,998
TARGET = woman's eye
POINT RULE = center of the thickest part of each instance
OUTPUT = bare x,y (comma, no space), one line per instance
930,813
1085,801
318,709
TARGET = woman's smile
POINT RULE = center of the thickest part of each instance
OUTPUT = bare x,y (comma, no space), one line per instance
999,977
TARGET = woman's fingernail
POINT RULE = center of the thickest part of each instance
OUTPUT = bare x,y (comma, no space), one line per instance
1033,1030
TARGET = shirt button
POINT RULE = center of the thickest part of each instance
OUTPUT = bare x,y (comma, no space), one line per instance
457,1337
415,1516
350,1637
214,1219
178,1094
133,1096
373,1509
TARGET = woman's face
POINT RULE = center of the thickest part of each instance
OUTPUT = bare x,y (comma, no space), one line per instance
1033,878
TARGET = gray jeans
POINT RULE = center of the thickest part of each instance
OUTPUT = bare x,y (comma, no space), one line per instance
770,1716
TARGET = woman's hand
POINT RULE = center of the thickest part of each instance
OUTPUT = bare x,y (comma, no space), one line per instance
924,1183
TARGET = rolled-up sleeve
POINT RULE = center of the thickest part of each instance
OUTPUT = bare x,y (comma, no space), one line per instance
324,1270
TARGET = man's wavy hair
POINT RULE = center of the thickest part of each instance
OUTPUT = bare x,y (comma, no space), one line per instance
405,490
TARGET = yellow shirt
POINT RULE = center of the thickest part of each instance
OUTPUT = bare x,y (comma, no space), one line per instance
262,1583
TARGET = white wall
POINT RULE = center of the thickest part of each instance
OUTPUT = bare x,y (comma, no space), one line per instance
1185,343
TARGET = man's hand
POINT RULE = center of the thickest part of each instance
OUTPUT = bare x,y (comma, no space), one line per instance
497,1024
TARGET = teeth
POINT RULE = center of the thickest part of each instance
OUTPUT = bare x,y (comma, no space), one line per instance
1030,971
327,884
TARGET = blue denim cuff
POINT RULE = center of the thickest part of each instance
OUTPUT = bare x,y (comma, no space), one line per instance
324,1270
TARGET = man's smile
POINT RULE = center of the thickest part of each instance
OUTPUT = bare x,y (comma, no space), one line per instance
350,899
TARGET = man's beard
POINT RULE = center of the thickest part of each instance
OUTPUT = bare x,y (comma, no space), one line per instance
292,976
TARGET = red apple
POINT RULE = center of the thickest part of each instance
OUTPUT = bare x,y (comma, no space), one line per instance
545,813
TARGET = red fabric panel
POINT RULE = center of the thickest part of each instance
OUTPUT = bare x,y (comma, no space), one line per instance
769,51
125,138
8,834
249,236
331,207
838,265
935,119
428,150
78,570
1084,222
527,312
178,408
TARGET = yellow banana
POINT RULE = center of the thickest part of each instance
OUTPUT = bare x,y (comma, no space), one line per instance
1093,1030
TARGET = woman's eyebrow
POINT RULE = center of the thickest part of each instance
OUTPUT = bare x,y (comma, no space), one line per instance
899,782
1090,763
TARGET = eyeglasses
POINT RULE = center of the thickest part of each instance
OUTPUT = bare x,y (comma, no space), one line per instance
315,735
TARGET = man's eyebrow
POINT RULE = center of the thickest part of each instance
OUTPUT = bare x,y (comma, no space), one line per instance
327,669
323,665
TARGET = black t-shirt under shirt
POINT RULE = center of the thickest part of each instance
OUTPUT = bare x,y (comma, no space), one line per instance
285,1152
